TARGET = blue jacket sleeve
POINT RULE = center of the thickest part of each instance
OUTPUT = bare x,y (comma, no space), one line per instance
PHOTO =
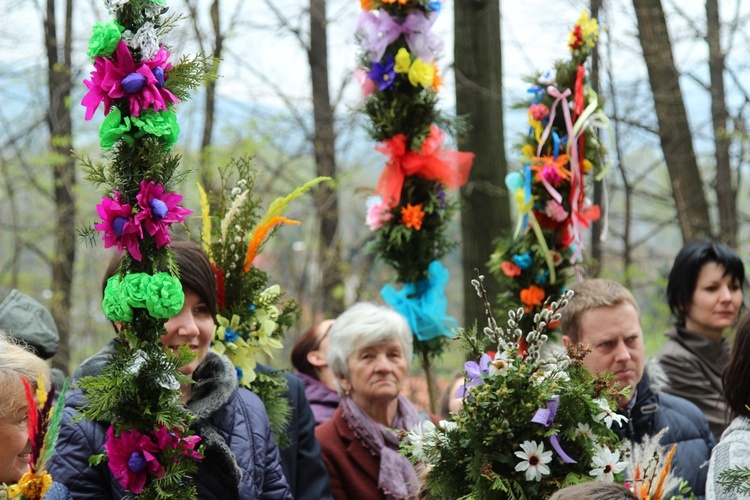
274,484
69,465
311,481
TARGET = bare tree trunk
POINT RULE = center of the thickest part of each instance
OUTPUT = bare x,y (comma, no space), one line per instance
63,172
674,129
596,226
726,196
326,199
485,209
206,163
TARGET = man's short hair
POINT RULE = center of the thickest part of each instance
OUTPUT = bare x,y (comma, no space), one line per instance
591,294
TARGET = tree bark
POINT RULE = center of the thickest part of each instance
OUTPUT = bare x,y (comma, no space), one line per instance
674,129
326,199
596,226
726,195
206,163
63,173
485,209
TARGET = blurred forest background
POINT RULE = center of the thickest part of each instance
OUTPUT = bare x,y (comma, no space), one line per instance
674,76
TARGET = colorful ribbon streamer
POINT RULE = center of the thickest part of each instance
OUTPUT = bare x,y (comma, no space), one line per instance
546,417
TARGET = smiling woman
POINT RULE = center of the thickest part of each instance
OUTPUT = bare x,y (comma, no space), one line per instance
240,457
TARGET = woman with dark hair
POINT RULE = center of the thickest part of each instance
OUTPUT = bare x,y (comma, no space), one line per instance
734,448
309,359
705,296
240,460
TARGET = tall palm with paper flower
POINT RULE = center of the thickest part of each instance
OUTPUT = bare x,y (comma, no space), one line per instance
528,425
253,316
150,449
561,149
410,211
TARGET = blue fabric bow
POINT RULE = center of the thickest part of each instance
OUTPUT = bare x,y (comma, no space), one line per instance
425,305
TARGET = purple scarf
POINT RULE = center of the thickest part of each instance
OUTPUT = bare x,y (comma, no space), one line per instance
396,477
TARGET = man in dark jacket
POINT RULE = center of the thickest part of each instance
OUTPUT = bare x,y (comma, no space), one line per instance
603,316
303,466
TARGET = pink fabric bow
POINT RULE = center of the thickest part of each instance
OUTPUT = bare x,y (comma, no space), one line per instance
382,30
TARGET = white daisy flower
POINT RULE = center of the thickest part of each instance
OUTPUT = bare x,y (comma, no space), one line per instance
421,435
533,460
607,465
585,430
607,414
448,425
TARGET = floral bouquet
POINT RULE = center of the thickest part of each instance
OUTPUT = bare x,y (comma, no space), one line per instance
252,317
649,474
411,211
43,422
150,448
561,148
528,426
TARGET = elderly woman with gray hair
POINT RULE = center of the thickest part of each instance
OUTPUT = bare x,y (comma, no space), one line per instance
369,351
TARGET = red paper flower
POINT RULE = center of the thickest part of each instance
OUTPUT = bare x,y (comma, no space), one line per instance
119,226
159,210
131,457
510,269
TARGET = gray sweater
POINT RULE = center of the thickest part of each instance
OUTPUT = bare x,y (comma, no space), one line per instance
732,451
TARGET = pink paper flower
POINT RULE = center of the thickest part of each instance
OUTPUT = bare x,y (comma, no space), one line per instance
159,210
550,174
378,213
366,83
555,211
166,438
131,457
538,111
121,77
119,226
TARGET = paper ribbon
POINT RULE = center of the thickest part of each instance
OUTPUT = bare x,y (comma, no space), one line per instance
432,162
424,305
474,372
381,30
546,417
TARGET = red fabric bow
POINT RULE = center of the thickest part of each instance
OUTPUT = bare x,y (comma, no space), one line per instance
432,162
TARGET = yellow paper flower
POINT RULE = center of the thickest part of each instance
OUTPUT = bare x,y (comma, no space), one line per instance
586,166
589,28
421,73
538,128
33,486
403,61
527,153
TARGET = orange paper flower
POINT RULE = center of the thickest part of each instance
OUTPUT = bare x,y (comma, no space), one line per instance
412,216
532,297
366,4
510,269
259,235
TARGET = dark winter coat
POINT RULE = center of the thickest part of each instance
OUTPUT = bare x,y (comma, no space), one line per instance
241,458
652,412
323,400
301,460
694,364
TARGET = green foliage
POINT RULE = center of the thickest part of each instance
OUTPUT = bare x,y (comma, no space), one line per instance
410,250
735,480
475,456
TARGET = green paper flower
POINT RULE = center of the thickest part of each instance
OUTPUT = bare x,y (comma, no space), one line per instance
115,304
162,124
164,296
113,128
135,288
104,39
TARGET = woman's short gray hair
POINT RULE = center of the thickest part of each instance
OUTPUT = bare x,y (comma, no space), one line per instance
15,363
365,325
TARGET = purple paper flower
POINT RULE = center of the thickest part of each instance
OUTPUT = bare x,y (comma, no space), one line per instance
474,373
119,226
159,210
121,77
383,73
131,457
